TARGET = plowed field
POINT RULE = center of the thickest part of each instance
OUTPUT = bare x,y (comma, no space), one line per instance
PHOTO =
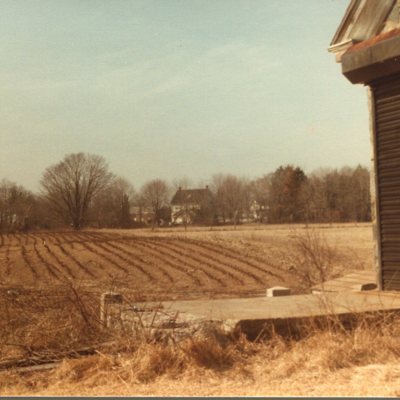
185,267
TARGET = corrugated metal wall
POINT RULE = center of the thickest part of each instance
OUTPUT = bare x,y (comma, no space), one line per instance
386,100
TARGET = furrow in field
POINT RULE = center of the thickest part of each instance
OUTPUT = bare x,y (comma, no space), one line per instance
103,236
66,238
50,249
3,252
99,248
8,261
59,239
47,239
27,262
180,262
101,269
50,268
147,263
229,253
89,245
230,260
230,265
109,250
179,272
39,260
69,256
213,264
18,239
50,243
11,240
209,268
34,238
108,263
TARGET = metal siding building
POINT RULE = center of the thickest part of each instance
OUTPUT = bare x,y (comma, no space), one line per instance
367,44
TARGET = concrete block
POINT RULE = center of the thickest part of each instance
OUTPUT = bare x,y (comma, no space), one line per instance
316,291
278,291
360,287
110,307
111,298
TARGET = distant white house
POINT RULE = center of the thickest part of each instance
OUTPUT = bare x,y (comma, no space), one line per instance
188,204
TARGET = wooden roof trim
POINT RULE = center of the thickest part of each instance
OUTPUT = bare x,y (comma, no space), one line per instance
348,16
363,19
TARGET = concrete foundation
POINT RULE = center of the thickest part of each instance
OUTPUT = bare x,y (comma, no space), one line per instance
277,291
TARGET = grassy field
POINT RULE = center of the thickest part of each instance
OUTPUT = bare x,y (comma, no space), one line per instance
50,286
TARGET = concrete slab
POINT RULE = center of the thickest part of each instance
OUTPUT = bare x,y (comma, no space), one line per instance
298,306
354,281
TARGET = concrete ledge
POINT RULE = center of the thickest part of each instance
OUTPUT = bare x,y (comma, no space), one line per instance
110,307
365,286
278,291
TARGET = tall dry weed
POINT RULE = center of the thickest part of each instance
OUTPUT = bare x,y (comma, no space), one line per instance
44,323
311,258
324,349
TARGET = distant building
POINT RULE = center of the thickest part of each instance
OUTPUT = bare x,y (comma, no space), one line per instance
141,215
190,206
144,216
258,212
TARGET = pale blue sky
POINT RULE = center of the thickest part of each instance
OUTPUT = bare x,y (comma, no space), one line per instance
174,88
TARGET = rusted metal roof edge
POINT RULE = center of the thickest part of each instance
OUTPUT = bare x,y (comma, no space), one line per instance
373,58
354,25
374,40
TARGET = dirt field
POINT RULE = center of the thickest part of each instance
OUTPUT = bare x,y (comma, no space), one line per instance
47,316
170,262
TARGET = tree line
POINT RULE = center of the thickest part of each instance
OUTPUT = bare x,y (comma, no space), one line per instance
81,191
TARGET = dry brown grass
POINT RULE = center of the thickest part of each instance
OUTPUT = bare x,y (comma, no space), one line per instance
329,359
45,324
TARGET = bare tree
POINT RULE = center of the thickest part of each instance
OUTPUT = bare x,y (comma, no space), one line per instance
71,185
231,197
111,207
16,205
333,195
286,187
155,195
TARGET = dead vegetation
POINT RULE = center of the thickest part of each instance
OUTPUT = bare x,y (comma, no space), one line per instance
312,259
62,324
277,365
36,324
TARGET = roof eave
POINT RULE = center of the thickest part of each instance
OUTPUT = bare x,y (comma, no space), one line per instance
368,62
340,48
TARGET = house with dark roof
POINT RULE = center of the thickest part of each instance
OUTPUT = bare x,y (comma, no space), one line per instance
190,206
367,44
